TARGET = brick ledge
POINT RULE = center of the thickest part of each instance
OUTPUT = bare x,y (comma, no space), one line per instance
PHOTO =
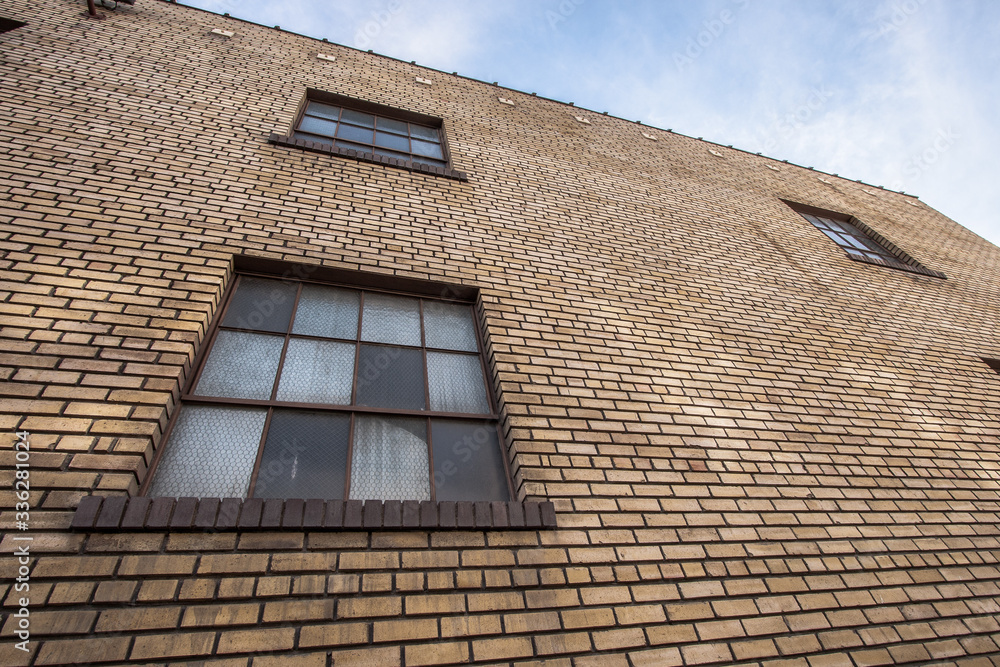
330,149
115,513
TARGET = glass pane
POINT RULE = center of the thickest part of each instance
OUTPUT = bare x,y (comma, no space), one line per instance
467,461
393,141
455,382
261,304
391,377
390,125
425,148
305,456
327,311
211,452
449,326
241,365
390,459
324,110
317,371
352,133
391,319
318,126
358,118
425,133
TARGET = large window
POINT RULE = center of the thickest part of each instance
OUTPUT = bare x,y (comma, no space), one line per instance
348,128
311,390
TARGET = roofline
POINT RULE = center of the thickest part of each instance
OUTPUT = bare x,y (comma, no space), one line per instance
324,40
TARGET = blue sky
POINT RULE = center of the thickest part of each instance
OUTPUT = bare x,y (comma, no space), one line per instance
899,93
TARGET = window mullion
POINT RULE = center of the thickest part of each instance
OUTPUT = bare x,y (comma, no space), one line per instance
260,452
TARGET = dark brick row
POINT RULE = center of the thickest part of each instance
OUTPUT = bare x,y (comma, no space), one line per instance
330,149
99,513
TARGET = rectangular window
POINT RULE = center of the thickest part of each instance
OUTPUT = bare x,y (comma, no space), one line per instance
858,243
370,132
313,390
376,134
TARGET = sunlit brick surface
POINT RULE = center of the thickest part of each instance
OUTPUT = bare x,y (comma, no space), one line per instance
760,451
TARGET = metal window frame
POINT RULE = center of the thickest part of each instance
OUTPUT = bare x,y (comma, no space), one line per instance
375,286
379,111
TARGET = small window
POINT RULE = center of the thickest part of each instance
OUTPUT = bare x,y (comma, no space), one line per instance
350,129
6,24
370,132
859,242
312,390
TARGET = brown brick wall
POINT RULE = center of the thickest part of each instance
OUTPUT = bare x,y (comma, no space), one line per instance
759,451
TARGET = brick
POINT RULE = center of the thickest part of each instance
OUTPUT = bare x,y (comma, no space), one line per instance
334,634
176,645
445,653
258,640
220,615
75,651
501,649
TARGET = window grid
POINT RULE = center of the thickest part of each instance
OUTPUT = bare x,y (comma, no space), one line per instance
372,133
353,409
850,238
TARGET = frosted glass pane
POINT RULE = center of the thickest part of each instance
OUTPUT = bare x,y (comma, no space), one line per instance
211,452
324,110
391,377
241,365
317,371
449,326
425,133
318,126
261,304
358,118
390,459
455,383
327,311
467,461
305,456
425,148
391,319
352,133
392,141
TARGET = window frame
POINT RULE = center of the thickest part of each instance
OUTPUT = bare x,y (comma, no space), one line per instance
362,283
885,254
380,111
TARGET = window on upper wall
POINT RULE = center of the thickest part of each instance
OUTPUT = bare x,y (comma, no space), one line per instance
311,390
370,132
6,25
859,242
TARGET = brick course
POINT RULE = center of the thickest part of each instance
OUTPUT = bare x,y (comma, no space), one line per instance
730,444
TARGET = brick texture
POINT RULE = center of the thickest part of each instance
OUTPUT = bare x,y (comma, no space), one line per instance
730,444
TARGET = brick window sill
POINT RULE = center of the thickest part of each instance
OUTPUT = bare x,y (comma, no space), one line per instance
892,264
116,513
362,156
